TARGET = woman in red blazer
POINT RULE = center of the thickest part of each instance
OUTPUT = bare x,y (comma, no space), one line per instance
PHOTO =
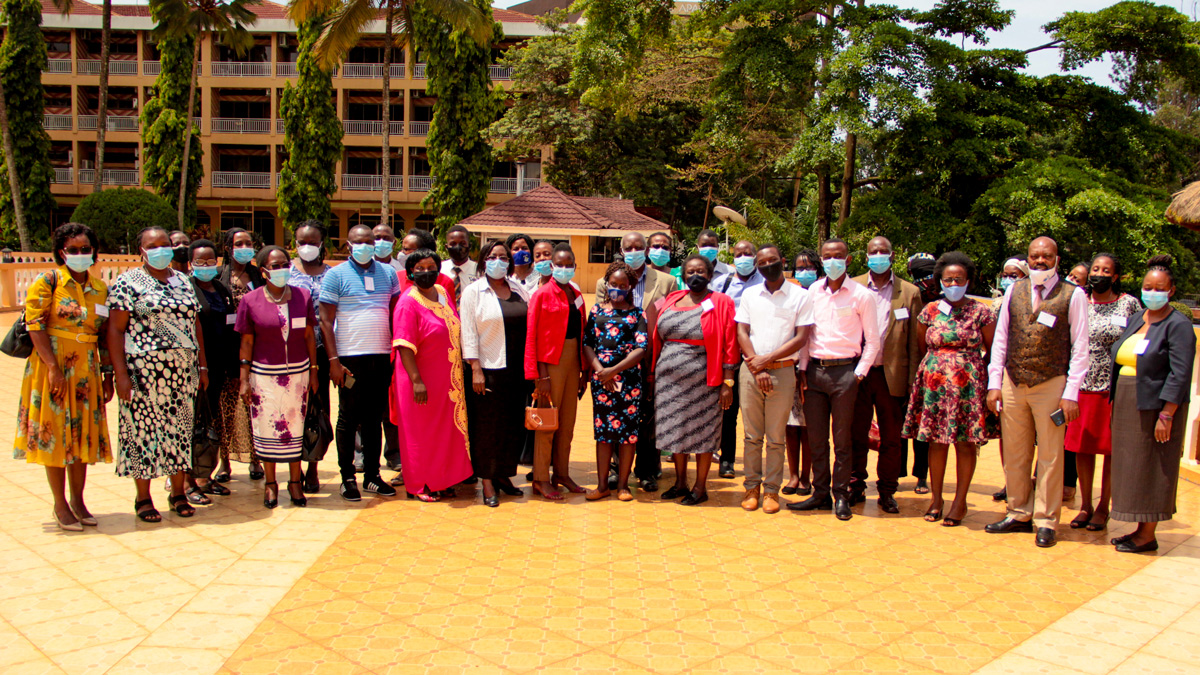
695,357
554,359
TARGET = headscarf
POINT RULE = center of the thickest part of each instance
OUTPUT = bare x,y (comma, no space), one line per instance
1017,263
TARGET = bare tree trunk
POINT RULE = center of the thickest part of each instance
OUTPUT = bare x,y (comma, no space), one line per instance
187,136
14,181
824,204
385,199
847,179
102,116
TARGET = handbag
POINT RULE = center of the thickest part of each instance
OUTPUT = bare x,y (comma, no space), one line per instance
541,419
318,432
206,438
17,343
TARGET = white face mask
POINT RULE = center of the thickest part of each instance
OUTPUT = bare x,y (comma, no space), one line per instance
308,252
1039,277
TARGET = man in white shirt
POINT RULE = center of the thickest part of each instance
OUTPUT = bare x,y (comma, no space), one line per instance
459,267
385,247
773,323
734,282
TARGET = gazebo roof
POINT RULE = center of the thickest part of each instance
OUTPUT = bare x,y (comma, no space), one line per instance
1185,207
546,210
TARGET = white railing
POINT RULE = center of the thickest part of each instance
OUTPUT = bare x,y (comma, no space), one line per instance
241,179
59,122
285,70
151,67
236,125
279,127
497,72
530,184
111,176
419,71
59,66
371,128
420,183
92,67
64,175
372,71
241,69
114,123
503,185
353,181
418,128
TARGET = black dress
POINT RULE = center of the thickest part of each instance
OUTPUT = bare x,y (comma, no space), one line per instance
496,420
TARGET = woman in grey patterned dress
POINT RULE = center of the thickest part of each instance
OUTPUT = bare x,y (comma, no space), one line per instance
695,347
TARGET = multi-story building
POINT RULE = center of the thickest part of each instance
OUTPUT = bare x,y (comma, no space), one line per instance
238,112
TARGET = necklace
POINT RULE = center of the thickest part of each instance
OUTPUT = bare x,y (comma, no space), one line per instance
279,300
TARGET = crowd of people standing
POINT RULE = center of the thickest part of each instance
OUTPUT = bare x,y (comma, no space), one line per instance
221,352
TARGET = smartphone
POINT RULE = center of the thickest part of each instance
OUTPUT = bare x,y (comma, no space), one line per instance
348,383
1058,418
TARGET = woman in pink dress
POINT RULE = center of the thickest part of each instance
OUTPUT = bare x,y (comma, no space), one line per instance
428,384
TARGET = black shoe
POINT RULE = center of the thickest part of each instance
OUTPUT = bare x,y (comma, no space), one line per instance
1009,524
492,501
648,485
787,490
804,490
267,500
841,508
674,492
887,504
857,498
256,474
212,487
692,500
1117,540
300,501
471,481
223,477
1127,546
726,470
1045,537
350,491
812,504
528,476
1000,495
378,486
612,479
509,489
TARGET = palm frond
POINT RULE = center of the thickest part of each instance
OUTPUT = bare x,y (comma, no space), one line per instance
303,11
463,16
343,30
64,7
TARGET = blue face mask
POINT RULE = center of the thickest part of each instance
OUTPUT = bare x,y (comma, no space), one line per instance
279,278
243,255
617,294
709,252
806,277
542,267
160,258
954,293
362,253
660,256
497,269
79,262
383,248
563,274
1006,283
744,264
1154,300
879,262
522,257
635,259
834,268
205,273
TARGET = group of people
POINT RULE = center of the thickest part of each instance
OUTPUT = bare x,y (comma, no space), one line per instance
220,352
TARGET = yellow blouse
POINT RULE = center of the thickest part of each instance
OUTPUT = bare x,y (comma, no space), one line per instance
70,308
1127,355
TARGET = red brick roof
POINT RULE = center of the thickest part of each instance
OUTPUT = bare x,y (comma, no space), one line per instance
81,8
548,208
511,16
266,10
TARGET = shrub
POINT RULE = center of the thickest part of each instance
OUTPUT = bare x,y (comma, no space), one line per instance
118,214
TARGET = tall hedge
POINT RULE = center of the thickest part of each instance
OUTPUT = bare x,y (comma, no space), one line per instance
164,122
118,214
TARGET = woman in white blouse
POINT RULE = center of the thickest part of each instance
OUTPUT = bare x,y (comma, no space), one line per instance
493,311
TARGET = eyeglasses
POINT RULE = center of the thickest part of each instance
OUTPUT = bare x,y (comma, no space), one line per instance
502,258
78,250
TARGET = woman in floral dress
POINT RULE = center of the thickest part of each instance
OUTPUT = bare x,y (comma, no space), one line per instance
614,342
947,404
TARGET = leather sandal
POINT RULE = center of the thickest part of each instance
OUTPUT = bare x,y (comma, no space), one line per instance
149,515
179,504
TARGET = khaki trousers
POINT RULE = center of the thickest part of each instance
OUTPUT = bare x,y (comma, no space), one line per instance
764,417
1024,420
554,447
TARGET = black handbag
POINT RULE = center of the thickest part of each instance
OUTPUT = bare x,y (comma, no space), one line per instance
318,432
17,343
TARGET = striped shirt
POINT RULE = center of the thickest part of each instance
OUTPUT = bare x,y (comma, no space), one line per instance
363,324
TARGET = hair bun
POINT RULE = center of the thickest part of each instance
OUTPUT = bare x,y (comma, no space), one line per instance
1163,261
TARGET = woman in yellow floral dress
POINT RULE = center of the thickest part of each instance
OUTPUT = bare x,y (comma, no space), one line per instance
61,422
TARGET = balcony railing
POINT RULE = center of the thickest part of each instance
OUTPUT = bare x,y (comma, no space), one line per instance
241,179
354,181
59,66
508,186
372,71
56,122
115,67
236,125
111,176
418,128
279,127
241,69
419,71
285,70
371,128
114,123
497,72
151,67
64,175
420,183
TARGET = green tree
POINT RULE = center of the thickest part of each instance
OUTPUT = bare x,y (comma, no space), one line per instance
117,215
312,136
165,122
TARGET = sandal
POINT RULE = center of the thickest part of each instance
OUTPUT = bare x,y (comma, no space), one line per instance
212,487
1092,526
423,496
223,477
179,504
150,515
297,501
1081,520
570,485
933,516
953,522
196,495
922,488
552,495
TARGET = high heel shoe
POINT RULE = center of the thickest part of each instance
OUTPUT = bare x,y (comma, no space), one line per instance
1091,526
301,500
256,472
67,527
88,520
552,495
267,501
568,485
510,489
492,501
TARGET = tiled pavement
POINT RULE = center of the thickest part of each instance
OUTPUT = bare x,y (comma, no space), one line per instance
395,586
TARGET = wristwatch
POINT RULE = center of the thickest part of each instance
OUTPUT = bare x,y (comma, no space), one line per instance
729,383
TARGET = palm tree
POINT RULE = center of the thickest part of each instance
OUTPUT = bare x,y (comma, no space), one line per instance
218,19
14,181
347,20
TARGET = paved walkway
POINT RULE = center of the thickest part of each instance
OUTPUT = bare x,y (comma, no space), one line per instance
395,586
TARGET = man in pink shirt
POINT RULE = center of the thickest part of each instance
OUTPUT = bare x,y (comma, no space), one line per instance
842,347
1038,362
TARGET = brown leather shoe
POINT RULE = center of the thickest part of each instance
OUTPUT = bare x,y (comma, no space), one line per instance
770,503
750,501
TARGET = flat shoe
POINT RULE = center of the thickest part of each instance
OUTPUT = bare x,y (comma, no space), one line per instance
1128,546
625,495
693,500
804,491
1117,540
674,492
788,490
595,495
212,487
223,477
67,527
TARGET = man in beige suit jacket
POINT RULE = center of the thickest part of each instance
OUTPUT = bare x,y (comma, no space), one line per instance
883,393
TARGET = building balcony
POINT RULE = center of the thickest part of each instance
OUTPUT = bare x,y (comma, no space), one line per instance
110,177
241,69
59,66
279,127
285,70
371,71
64,175
237,125
241,179
367,182
420,183
56,122
419,71
508,186
418,128
497,72
114,123
371,128
155,67
92,67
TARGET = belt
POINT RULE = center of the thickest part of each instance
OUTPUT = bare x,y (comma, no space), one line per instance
831,363
775,365
698,343
78,337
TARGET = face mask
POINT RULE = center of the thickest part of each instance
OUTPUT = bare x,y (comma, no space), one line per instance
383,248
79,262
806,277
497,269
618,295
660,257
954,293
1099,284
181,254
243,255
563,274
635,259
400,259
1006,283
457,251
834,268
744,264
362,253
522,257
308,252
425,279
772,272
697,283
205,273
709,252
159,258
1154,300
1039,277
280,278
879,262
542,267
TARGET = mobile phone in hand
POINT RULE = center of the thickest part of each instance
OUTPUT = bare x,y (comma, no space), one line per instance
1058,417
348,383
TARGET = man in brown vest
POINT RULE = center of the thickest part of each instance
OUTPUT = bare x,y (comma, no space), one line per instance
1039,358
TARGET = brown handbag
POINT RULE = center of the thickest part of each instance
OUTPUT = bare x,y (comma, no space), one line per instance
541,419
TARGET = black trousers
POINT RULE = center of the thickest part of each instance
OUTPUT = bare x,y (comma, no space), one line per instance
729,435
647,463
875,401
362,409
829,402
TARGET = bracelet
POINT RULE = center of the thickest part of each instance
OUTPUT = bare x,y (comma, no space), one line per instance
1164,416
244,362
333,358
543,378
314,367
204,368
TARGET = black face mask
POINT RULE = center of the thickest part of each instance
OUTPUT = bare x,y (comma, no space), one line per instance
425,279
697,283
772,272
180,255
457,251
1099,284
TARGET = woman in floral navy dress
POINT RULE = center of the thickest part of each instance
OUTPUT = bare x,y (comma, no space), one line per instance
614,342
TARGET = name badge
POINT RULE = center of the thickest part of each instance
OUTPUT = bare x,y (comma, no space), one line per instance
299,322
843,312
1046,320
579,301
1120,321
101,310
944,307
1141,347
230,319
174,280
369,283
707,306
901,314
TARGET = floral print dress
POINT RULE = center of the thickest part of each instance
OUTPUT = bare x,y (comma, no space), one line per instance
948,400
613,334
